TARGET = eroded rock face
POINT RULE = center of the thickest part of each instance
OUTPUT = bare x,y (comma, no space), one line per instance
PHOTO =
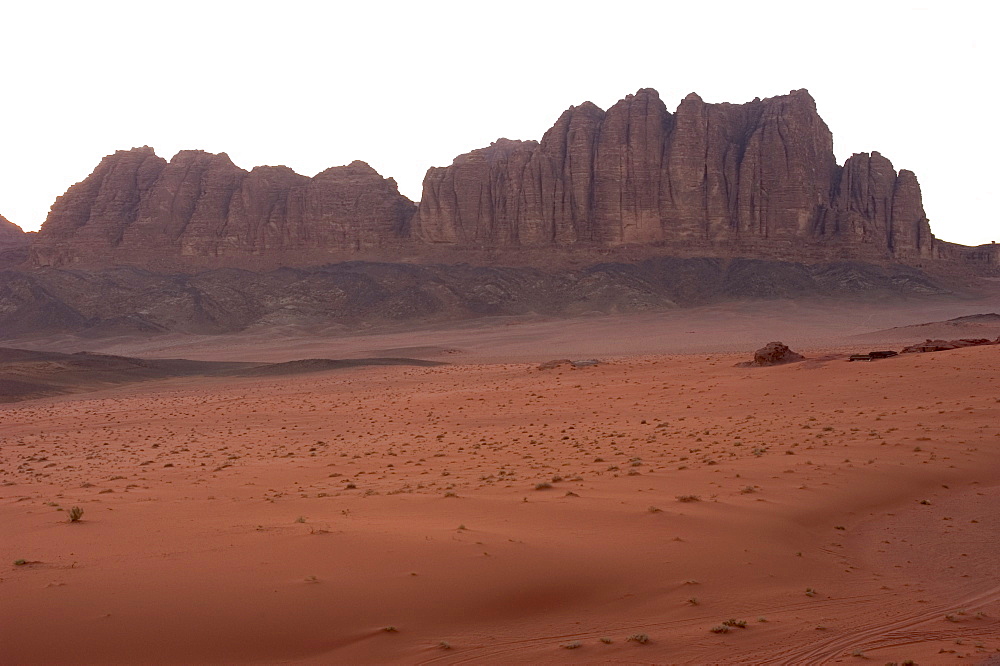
730,177
722,180
137,208
11,235
14,244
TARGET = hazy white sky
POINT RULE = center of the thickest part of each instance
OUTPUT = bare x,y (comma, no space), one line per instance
409,85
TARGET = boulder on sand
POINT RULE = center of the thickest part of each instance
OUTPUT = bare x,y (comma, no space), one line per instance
773,353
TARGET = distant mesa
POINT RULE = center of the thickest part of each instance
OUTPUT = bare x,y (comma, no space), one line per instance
723,180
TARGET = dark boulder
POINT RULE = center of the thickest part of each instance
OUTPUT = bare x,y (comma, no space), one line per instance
774,353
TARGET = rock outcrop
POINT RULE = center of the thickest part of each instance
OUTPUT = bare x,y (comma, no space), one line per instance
773,353
729,179
11,235
14,243
755,180
137,208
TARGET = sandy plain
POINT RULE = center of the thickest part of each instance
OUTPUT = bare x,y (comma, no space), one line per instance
486,511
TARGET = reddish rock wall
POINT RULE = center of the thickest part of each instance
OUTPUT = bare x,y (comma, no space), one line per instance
754,180
11,235
137,208
710,175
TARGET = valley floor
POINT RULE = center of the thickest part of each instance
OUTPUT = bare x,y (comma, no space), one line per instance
498,513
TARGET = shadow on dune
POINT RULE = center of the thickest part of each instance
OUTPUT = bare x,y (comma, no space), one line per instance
27,374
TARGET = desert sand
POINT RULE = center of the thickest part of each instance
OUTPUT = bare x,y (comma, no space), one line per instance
486,511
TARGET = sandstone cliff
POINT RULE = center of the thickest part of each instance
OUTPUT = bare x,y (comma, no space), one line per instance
137,208
11,235
718,178
14,243
755,180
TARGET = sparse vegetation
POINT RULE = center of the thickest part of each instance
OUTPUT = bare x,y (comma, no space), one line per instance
688,498
544,485
642,639
75,514
719,629
742,624
572,645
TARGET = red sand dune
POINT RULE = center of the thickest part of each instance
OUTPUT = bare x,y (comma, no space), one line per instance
392,514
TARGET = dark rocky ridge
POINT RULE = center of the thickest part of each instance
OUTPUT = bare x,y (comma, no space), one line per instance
363,295
725,180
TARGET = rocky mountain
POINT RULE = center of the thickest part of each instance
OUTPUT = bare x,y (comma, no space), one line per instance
729,179
628,209
11,235
136,208
721,180
14,243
